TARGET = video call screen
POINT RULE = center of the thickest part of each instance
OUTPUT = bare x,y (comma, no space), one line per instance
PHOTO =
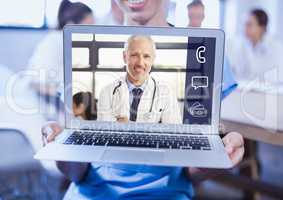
175,75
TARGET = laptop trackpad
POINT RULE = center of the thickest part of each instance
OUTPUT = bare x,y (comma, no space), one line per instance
134,155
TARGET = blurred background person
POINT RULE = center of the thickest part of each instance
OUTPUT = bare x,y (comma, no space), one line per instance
257,55
84,106
47,62
196,13
47,59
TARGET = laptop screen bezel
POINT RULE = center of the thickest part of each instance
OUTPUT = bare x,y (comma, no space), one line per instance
72,123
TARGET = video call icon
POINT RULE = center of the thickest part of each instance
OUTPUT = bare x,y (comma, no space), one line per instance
198,110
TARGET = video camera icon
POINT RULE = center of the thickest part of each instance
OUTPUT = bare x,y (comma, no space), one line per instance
198,110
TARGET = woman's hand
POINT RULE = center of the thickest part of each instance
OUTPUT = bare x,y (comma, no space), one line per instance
50,131
75,171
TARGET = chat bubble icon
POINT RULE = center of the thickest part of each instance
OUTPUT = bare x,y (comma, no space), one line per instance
199,82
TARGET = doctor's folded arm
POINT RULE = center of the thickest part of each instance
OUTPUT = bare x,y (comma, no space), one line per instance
157,104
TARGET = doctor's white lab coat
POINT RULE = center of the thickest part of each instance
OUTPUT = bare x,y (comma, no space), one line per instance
262,62
112,105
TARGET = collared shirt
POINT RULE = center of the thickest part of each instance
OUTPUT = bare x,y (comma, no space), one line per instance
132,86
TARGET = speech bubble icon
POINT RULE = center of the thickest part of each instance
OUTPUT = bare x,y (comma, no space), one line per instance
199,82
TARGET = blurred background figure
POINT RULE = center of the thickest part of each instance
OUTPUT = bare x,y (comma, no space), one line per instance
47,60
84,106
146,13
196,13
196,16
74,13
46,65
257,55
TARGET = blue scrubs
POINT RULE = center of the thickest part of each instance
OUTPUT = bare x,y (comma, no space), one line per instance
139,182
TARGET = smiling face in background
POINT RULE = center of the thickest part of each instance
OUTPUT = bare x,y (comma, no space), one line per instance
196,16
140,11
139,56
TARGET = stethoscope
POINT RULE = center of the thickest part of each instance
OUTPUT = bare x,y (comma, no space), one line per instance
147,115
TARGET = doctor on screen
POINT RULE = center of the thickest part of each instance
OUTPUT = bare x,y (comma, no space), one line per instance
137,96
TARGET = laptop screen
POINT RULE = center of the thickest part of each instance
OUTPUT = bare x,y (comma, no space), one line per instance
143,78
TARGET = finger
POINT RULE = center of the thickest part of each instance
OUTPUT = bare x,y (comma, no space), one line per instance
48,128
43,138
56,127
52,131
229,149
54,134
237,156
52,137
46,131
233,139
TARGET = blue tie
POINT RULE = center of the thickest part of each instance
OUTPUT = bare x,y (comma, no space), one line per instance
137,93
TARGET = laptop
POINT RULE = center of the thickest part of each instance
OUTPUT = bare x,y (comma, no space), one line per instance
188,60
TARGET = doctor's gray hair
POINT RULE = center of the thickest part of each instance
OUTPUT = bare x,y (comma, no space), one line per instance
134,37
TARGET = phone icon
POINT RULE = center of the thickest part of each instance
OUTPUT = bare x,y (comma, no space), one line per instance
199,54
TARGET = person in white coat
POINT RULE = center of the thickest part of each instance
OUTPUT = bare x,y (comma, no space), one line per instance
257,56
155,101
47,59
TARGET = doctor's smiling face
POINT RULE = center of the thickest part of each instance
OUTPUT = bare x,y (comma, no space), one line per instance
138,56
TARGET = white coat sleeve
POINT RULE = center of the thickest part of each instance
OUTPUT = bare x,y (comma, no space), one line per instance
104,110
47,60
171,113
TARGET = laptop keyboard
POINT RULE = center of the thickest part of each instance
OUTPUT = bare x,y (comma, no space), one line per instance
139,140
